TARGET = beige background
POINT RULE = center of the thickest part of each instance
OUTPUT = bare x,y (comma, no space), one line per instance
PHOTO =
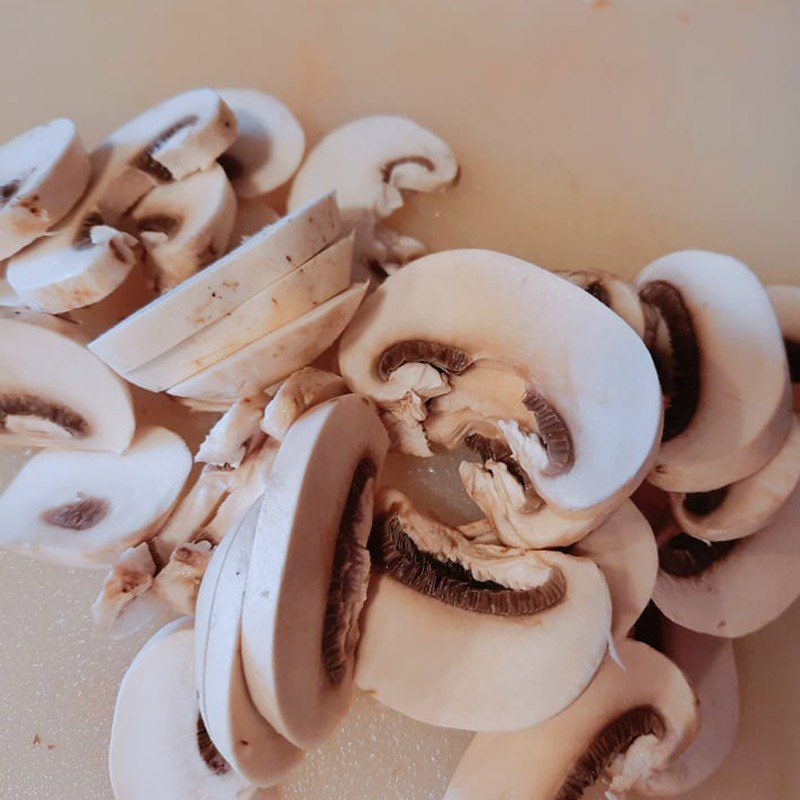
589,136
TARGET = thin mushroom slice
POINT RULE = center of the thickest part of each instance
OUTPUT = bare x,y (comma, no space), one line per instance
269,143
94,504
244,738
221,288
594,402
43,173
721,424
476,636
627,726
54,392
786,302
309,569
744,507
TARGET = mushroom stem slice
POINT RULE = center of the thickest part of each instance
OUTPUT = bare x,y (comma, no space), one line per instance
130,578
786,302
235,434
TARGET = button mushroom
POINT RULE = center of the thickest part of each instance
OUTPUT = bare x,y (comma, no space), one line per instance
786,302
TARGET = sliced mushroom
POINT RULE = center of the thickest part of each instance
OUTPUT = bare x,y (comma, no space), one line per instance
594,401
221,288
276,355
94,504
252,216
302,290
54,392
627,726
87,257
43,173
721,423
243,737
269,143
8,297
235,434
786,302
476,636
309,569
184,226
744,507
370,162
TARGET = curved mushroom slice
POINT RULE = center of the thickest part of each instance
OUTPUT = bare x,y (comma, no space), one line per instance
86,257
721,424
309,569
627,726
235,434
595,400
269,143
43,173
252,216
746,506
54,392
243,737
730,589
476,636
221,288
276,355
370,162
786,302
184,226
94,504
303,289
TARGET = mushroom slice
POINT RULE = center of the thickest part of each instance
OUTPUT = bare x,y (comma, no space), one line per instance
235,434
734,588
269,143
627,726
721,424
252,216
594,401
369,162
746,506
309,569
221,288
94,504
303,289
184,226
54,392
243,737
786,302
43,173
276,355
476,636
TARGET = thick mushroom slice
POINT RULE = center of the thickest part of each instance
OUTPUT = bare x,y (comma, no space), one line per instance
723,371
476,636
221,288
184,226
252,216
786,302
591,404
627,726
244,738
746,506
94,504
370,162
734,588
54,392
43,173
309,569
321,278
276,355
269,143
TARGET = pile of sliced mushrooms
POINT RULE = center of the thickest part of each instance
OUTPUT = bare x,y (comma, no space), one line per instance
627,458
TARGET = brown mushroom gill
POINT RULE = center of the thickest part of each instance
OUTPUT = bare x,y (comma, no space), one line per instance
701,504
233,167
553,432
83,238
159,223
81,515
793,356
684,556
421,161
597,290
495,450
613,740
208,752
350,576
8,190
28,405
444,357
394,552
144,160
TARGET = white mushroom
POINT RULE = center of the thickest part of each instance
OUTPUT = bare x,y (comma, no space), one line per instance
309,569
43,173
94,504
235,434
252,216
269,143
221,288
786,302
370,162
724,372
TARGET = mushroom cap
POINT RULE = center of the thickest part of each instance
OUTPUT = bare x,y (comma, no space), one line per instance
534,764
269,142
744,408
208,296
603,386
786,302
244,738
304,517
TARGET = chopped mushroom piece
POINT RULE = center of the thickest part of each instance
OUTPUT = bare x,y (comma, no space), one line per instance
235,434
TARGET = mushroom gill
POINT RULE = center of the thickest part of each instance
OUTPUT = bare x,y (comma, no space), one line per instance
701,504
144,160
444,357
553,432
684,556
81,515
28,405
208,752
